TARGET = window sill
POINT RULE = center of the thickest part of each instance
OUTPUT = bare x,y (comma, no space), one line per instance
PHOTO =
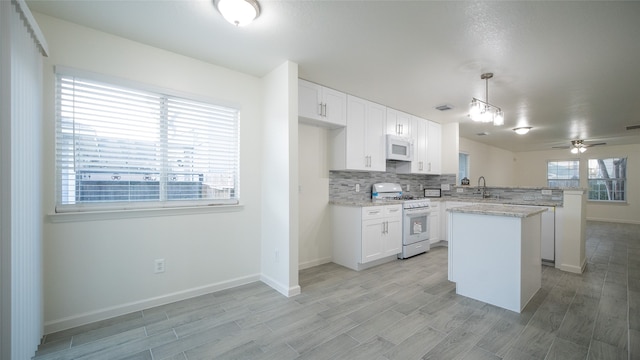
140,213
607,202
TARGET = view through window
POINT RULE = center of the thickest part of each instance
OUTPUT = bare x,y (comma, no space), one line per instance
563,174
607,179
119,145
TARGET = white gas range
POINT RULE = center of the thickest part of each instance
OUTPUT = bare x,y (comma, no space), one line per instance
415,215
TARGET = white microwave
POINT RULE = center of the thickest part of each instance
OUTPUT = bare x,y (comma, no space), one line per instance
399,148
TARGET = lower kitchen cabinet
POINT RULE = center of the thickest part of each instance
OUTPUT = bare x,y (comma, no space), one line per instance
434,222
366,236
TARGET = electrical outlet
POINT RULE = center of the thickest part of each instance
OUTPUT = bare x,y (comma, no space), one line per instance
546,192
408,187
421,187
357,187
459,190
158,266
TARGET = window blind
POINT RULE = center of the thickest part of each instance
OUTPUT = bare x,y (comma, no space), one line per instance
118,147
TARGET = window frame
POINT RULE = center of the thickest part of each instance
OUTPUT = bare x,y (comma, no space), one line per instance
152,205
577,171
622,180
467,166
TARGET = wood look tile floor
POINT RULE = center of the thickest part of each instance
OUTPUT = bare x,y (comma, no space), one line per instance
405,309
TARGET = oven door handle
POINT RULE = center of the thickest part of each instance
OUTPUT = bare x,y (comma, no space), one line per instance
417,212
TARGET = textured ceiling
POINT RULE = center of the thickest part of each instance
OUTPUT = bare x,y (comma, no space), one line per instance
571,70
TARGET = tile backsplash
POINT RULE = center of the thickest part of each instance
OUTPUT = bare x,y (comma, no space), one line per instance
342,184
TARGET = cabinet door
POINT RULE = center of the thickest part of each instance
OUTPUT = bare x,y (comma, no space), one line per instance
434,223
356,157
420,136
393,236
372,246
335,106
398,123
434,148
375,136
309,99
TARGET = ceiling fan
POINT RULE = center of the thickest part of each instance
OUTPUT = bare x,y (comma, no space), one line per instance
578,146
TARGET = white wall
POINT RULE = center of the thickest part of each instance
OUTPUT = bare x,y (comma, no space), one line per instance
532,171
280,180
315,220
95,269
496,165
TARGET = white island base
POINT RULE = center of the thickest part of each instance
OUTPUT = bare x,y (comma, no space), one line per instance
494,253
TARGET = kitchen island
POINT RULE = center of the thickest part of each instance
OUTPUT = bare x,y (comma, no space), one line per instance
494,253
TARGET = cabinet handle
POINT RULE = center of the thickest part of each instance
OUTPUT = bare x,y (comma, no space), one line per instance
386,227
429,166
324,113
320,109
401,129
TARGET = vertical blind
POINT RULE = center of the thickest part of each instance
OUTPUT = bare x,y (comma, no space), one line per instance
118,147
22,47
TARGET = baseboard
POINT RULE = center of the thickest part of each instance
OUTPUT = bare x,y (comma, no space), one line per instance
312,263
282,289
572,268
633,222
106,313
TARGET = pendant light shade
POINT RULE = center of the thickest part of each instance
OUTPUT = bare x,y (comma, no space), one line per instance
483,111
239,12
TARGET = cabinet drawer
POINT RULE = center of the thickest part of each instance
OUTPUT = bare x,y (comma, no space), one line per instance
372,212
393,210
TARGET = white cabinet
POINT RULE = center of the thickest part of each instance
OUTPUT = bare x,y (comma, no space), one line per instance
361,145
381,232
434,148
398,123
426,137
434,222
366,236
322,106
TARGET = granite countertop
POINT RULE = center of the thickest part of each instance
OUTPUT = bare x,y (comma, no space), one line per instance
369,202
364,203
499,210
533,202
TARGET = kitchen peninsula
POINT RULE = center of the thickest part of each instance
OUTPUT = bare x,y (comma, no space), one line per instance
494,253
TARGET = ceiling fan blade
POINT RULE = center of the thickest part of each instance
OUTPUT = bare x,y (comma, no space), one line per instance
596,144
560,147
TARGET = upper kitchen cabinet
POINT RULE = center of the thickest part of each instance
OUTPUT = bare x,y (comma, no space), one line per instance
434,148
319,105
398,123
361,144
427,141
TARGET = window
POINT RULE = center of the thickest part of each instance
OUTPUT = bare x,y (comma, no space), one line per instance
563,174
607,179
463,166
118,147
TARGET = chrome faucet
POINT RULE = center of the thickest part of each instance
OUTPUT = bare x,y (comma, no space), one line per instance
484,186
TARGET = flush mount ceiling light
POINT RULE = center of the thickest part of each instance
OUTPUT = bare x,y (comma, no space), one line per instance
577,146
239,12
482,111
522,130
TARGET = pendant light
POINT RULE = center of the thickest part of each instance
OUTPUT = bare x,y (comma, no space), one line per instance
483,111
